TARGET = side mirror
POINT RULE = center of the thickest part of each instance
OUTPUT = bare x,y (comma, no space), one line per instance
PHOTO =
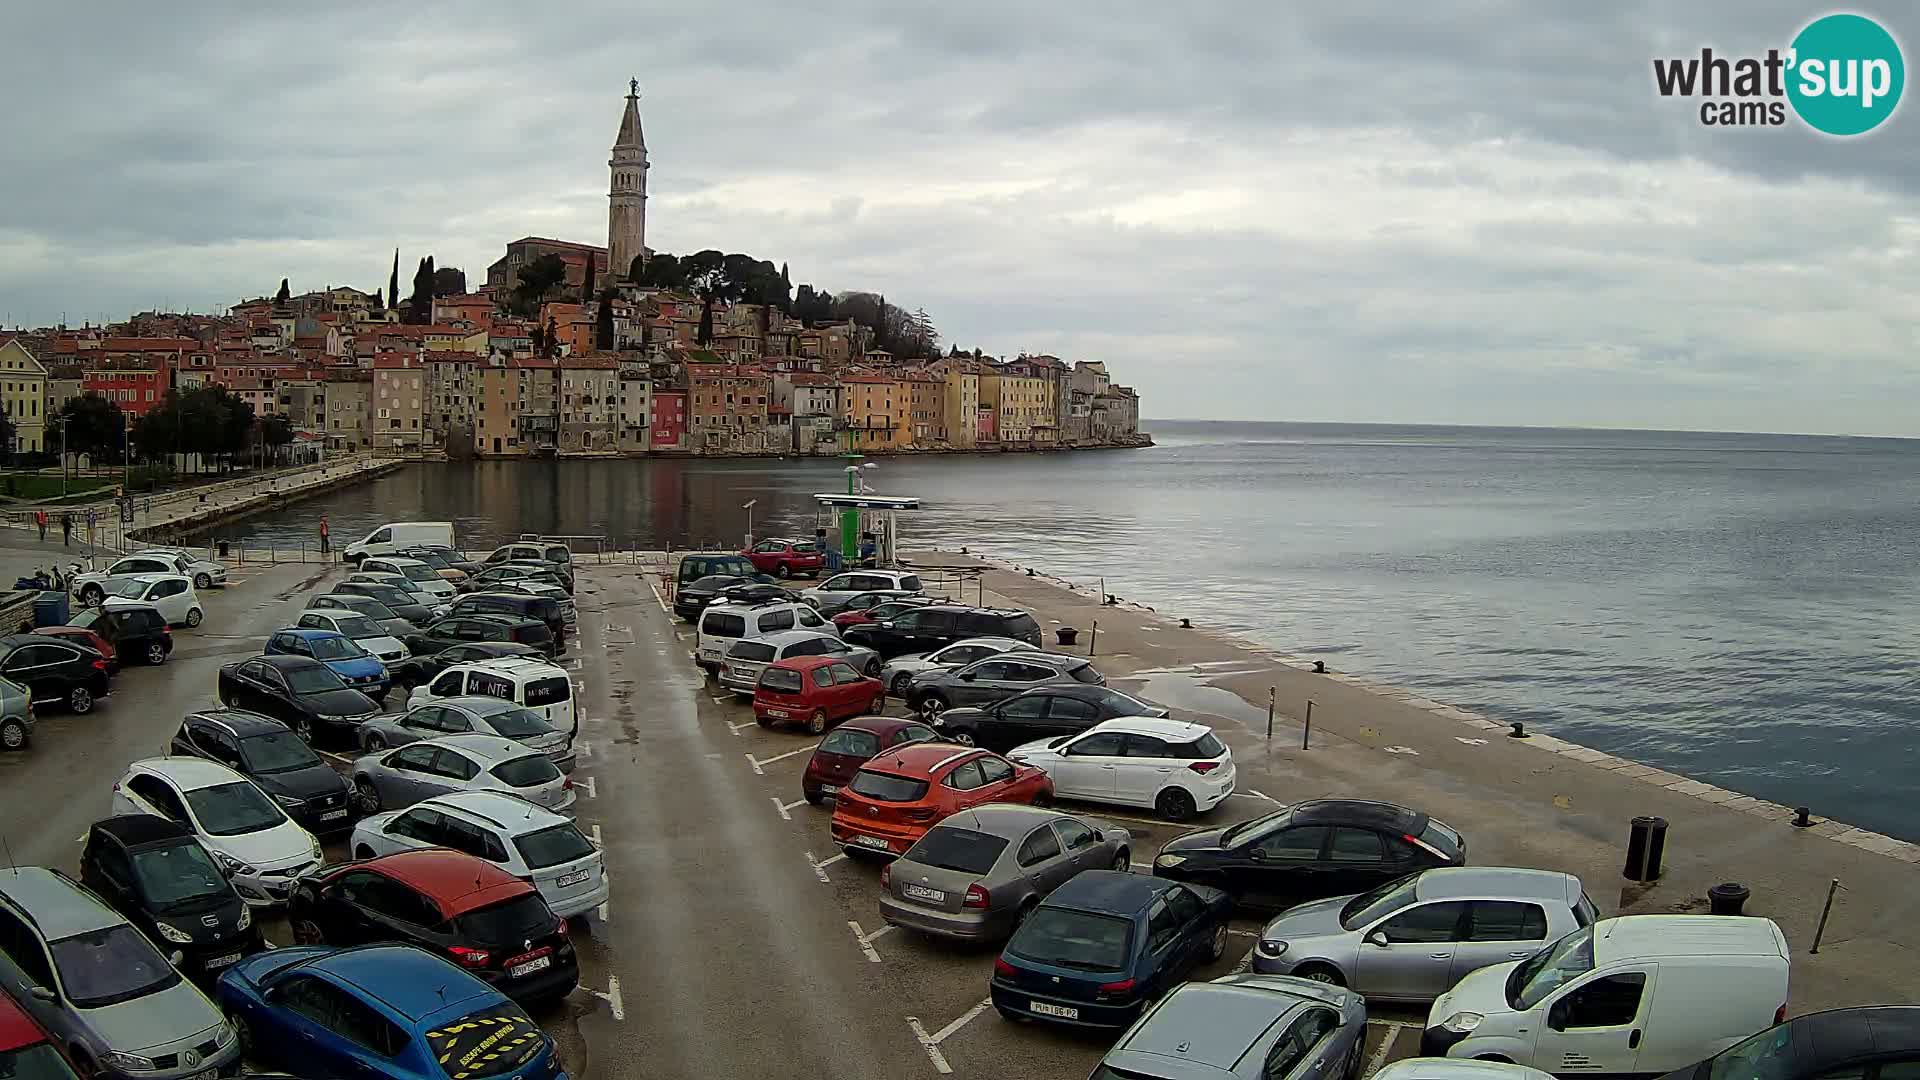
1377,937
966,676
888,625
44,994
1257,855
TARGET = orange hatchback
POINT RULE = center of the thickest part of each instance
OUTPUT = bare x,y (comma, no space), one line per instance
896,797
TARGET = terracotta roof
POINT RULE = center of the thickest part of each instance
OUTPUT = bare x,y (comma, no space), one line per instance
557,243
140,344
590,363
812,378
388,361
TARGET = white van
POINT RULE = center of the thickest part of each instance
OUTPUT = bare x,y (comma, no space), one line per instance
1636,994
527,681
724,623
397,536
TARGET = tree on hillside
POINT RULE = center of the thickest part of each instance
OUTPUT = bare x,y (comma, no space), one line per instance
92,425
537,279
7,433
284,294
378,302
586,287
393,281
419,309
812,305
449,281
553,336
603,323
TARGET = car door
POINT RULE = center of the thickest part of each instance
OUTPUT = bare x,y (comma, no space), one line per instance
1410,954
407,775
1356,861
387,910
291,645
974,685
1278,869
998,777
1164,966
1196,928
217,745
1145,767
1305,1050
1005,678
1081,844
1069,715
305,1006
23,967
1012,722
1043,861
1497,931
270,694
152,795
851,695
1596,1024
447,685
311,621
452,770
41,669
425,722
1085,767
965,781
416,828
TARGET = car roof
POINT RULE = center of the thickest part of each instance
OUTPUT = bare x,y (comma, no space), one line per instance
1437,1068
309,633
1380,815
806,663
397,560
455,881
523,666
479,704
1004,644
1009,820
501,595
1108,891
1502,881
410,981
1835,1035
58,907
148,579
1211,1024
1063,661
919,760
789,637
511,813
880,725
490,747
975,609
241,722
189,773
17,1029
133,830
286,661
1179,731
1629,937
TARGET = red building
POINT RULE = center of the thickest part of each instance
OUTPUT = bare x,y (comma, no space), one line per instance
669,419
136,386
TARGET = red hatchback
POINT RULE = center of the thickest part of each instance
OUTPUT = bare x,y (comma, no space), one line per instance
80,635
895,798
785,558
852,745
881,611
25,1051
815,691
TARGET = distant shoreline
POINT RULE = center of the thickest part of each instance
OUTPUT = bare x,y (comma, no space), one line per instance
1139,442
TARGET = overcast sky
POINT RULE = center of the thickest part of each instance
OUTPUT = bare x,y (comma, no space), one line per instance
1478,213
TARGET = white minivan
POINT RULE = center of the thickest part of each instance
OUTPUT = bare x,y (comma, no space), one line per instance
1636,994
527,681
724,623
397,536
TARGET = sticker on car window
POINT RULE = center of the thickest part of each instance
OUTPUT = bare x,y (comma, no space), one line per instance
484,1044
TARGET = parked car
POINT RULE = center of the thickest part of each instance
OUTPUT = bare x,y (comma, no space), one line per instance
95,983
16,716
786,558
300,692
979,873
396,536
516,605
1178,768
1248,1027
899,672
900,794
154,872
171,594
494,576
569,613
413,570
748,657
404,603
1440,1068
449,903
441,565
750,593
814,691
984,682
1312,850
137,633
698,564
858,603
532,844
457,559
356,666
851,745
193,562
460,629
250,836
932,626
1636,994
91,588
831,595
76,635
26,1053
724,623
1834,1043
357,628
418,670
530,681
552,552
55,671
467,715
692,598
382,616
1411,939
399,778
1104,945
432,606
883,609
266,752
1053,710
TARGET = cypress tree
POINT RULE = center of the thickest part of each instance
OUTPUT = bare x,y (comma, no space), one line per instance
393,282
586,291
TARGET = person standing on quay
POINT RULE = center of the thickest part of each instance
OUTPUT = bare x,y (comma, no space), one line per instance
66,529
40,519
323,535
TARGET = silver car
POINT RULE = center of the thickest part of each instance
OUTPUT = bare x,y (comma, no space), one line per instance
383,616
748,657
101,988
832,594
1413,938
1249,1027
900,670
399,778
984,682
465,714
16,716
978,873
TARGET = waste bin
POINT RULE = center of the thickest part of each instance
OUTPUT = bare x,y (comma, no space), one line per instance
50,609
1067,634
1646,843
1727,898
223,549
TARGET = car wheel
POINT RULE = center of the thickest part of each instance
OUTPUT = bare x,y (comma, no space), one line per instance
1043,800
13,735
1175,804
92,595
1026,912
83,1065
194,616
80,700
1219,947
242,1033
879,706
375,743
1122,862
817,723
306,932
783,570
202,581
960,738
763,721
932,706
156,653
363,852
873,668
303,727
813,796
368,795
1321,973
900,682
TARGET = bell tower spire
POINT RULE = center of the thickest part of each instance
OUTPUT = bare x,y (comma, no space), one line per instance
627,190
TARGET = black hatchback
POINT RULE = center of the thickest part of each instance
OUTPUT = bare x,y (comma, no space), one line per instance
54,670
137,634
519,605
267,752
936,626
155,873
460,629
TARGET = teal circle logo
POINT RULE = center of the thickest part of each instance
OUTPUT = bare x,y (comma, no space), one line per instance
1846,74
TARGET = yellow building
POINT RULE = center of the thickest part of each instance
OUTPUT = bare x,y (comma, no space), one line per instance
877,411
1022,405
23,394
455,339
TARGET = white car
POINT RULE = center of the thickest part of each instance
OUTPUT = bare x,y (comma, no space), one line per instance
529,842
456,763
172,594
1178,768
363,631
426,577
259,846
194,565
900,670
725,622
528,681
91,587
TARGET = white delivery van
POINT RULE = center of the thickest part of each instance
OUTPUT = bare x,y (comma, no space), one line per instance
1636,994
527,681
398,536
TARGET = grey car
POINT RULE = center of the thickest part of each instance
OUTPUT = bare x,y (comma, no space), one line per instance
979,872
396,779
416,593
100,987
984,682
383,616
470,713
748,657
1249,1027
900,671
404,603
1413,938
16,716
831,595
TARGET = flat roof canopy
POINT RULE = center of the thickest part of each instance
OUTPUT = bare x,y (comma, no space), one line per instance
869,502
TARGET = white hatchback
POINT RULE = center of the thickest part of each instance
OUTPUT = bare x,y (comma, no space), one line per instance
172,594
260,847
531,843
1178,768
426,577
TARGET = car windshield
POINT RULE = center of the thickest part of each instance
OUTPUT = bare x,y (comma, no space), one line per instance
886,787
232,809
525,916
277,752
317,679
962,850
110,965
431,559
335,648
1550,969
37,1062
780,680
388,594
1074,939
1766,1056
1380,902
553,846
88,620
519,724
547,691
179,876
529,771
471,1048
1119,704
357,626
419,572
126,588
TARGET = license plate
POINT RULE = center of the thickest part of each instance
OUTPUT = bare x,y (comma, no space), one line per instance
872,842
921,892
538,963
223,961
333,815
827,791
574,878
1063,1012
781,713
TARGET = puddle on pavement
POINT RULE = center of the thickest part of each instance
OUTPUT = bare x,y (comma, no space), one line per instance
1188,689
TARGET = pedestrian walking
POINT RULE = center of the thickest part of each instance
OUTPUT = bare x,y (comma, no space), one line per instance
66,529
323,535
40,519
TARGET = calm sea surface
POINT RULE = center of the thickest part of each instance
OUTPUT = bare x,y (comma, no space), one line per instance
1738,608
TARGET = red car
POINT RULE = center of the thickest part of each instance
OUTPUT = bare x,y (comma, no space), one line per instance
850,746
25,1050
895,798
785,558
883,609
80,635
814,690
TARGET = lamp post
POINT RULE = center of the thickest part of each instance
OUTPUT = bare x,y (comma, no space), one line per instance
748,507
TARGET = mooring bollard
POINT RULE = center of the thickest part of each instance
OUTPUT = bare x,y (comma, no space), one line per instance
1801,820
1306,731
1093,636
1727,898
1821,930
1646,844
1270,692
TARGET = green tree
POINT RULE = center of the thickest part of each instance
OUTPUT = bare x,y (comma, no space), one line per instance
449,281
159,432
284,294
92,425
393,281
274,433
537,279
553,336
603,324
586,289
7,433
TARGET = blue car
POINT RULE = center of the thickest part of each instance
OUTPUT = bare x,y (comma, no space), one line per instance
390,1011
357,667
1104,945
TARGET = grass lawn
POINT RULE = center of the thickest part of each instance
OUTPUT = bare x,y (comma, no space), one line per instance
47,486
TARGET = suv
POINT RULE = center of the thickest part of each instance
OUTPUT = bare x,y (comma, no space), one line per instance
723,623
928,628
529,842
100,988
749,656
785,558
522,605
460,629
984,682
157,875
698,565
1249,1027
547,551
274,759
832,594
136,633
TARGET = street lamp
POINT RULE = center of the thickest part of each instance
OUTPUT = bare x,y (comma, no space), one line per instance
748,507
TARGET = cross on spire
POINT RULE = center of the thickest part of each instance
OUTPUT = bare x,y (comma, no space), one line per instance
633,88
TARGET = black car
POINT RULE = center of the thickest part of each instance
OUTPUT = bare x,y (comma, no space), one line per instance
461,629
155,873
137,634
451,556
55,671
563,571
698,565
302,693
935,626
266,752
494,575
1312,850
518,605
420,670
693,597
1870,1041
1041,713
403,604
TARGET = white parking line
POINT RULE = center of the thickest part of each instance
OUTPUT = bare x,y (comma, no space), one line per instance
735,728
931,1043
1245,965
1252,794
758,763
603,911
658,599
866,943
1379,1057
612,997
784,807
593,833
585,749
593,789
574,664
820,867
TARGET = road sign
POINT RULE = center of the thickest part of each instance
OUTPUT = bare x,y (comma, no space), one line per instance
126,510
